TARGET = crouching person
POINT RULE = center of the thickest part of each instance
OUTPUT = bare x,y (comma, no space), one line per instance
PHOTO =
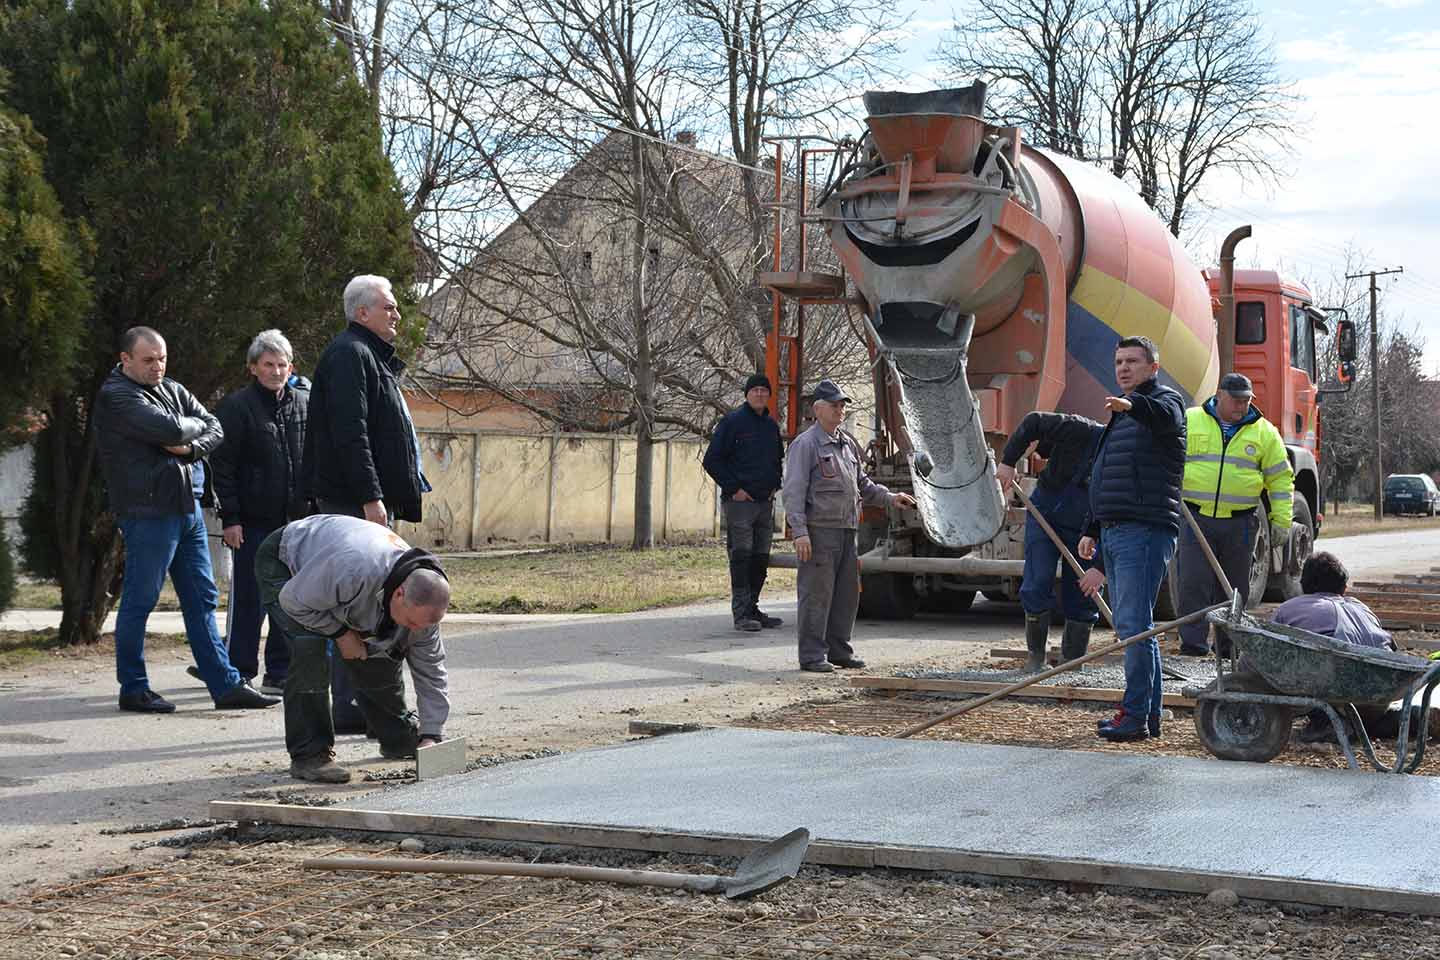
342,579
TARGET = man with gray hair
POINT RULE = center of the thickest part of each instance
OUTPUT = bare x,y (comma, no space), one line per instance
258,483
342,579
362,455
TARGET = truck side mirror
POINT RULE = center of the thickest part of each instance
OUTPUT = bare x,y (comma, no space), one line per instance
1345,343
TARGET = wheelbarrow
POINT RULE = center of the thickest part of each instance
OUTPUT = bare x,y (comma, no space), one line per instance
1282,672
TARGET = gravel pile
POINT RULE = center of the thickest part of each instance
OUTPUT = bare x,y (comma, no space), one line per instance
1200,670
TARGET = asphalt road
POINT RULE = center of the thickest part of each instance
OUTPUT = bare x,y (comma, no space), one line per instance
71,764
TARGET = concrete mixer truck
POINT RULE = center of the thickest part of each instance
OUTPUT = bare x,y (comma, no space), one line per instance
991,278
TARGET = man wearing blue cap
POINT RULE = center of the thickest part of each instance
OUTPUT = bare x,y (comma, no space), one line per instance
744,461
823,486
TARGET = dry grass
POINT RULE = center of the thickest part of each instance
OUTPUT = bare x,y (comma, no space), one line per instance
1352,517
595,578
19,648
598,579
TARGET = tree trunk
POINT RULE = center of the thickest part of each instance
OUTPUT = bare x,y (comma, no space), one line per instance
87,545
643,371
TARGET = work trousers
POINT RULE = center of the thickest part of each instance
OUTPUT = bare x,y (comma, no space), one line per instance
1037,589
1233,540
749,526
378,682
829,593
242,631
342,695
177,544
1136,557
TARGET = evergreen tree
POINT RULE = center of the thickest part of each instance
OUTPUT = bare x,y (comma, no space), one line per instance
229,167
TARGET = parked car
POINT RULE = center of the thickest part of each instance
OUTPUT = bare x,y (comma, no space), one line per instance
1411,493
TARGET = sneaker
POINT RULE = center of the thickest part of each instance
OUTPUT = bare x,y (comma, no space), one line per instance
390,754
146,701
242,696
194,671
272,685
1110,721
765,620
1317,730
747,626
321,769
1128,730
821,667
1194,651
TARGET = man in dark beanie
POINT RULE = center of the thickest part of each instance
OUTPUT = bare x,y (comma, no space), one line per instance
744,461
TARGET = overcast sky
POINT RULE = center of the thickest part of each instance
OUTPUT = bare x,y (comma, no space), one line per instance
1366,171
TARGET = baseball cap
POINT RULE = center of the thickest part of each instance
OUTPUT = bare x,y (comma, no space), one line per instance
1237,385
827,390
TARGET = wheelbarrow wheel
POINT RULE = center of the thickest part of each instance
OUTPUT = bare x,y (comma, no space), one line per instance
1256,732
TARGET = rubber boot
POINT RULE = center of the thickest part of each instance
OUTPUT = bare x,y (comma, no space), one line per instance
1037,635
1076,642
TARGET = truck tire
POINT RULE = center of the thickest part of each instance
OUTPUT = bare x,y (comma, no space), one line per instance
1285,585
888,596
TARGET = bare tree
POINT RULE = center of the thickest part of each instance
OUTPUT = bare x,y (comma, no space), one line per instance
1040,57
1163,92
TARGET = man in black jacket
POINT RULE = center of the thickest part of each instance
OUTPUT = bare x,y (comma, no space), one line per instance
1061,494
1135,514
362,455
744,461
153,439
258,484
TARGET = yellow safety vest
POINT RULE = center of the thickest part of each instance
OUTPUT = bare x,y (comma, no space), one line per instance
1223,478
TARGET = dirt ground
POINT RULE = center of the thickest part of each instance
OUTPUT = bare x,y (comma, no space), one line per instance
253,899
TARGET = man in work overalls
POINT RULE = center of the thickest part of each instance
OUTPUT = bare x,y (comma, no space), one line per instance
823,486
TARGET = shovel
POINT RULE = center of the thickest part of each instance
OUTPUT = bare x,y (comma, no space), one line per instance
767,866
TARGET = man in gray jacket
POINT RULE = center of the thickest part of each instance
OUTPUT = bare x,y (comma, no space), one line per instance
824,483
339,578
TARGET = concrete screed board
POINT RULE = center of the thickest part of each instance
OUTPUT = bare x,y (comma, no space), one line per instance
1209,817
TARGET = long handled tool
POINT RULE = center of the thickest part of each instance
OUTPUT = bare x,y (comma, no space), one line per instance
969,705
767,866
1079,570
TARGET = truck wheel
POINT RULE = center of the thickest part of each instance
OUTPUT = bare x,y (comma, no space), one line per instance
888,596
1255,732
1285,584
1000,596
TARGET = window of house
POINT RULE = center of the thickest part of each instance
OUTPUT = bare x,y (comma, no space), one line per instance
1250,322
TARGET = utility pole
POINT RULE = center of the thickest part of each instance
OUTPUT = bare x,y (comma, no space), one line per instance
1375,383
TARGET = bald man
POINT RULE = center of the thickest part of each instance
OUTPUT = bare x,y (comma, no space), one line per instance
332,578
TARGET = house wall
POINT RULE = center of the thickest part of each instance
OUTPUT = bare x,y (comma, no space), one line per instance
495,487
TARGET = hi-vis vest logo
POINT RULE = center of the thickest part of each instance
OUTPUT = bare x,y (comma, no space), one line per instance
1250,449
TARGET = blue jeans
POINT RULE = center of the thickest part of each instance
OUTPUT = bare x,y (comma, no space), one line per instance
1136,556
243,620
1037,591
154,546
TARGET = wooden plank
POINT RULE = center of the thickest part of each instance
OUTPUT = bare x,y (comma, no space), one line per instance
841,853
657,728
1038,692
521,831
1390,586
1052,656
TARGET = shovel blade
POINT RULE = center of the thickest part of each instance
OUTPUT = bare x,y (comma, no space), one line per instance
769,865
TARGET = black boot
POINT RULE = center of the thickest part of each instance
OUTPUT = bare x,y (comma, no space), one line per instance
1037,635
1076,642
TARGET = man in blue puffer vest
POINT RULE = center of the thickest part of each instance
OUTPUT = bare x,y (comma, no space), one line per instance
1135,484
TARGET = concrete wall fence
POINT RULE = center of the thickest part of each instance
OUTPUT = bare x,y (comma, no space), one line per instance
495,487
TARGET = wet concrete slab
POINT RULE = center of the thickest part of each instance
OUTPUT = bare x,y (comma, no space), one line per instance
1360,829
